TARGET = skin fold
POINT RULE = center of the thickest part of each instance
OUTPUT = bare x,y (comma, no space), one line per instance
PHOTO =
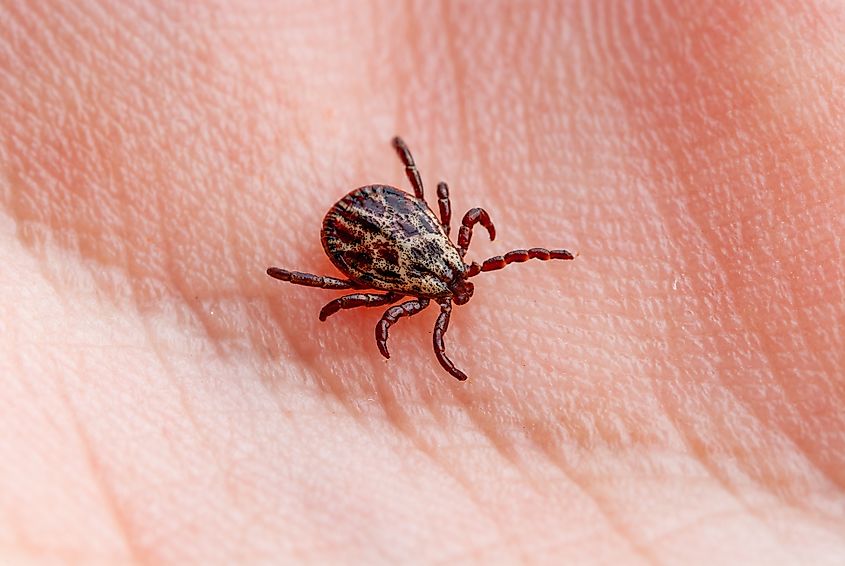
674,395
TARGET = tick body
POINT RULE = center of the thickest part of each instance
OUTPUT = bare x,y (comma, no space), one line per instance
386,240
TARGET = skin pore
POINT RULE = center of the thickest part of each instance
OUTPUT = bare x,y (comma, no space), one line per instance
674,395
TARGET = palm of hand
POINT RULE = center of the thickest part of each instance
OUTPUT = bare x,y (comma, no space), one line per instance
165,401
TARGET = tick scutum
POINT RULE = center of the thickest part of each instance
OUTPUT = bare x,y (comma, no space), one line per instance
384,237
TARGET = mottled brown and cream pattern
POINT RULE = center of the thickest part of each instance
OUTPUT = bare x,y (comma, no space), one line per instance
386,239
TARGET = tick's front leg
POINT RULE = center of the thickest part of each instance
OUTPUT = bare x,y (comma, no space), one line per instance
471,218
517,256
440,328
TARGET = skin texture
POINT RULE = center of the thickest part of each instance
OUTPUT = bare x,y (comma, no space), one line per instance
672,396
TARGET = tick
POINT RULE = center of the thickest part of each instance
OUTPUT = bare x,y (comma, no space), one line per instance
384,239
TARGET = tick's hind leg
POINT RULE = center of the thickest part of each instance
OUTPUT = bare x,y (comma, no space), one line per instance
440,328
517,256
391,316
445,206
310,280
410,167
358,300
471,218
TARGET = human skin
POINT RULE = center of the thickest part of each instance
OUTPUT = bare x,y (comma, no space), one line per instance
674,395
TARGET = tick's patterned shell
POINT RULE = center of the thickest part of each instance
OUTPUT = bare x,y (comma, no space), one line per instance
386,239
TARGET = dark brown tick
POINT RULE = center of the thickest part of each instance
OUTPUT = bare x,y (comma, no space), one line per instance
384,239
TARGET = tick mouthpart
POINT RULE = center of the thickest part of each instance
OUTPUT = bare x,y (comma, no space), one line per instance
462,292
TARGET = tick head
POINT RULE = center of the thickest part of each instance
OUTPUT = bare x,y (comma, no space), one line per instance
462,291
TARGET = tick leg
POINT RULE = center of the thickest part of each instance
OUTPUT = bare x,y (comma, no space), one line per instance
309,280
517,256
445,206
471,218
358,300
393,314
440,328
410,167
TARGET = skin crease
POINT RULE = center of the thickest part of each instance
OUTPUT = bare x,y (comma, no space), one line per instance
674,395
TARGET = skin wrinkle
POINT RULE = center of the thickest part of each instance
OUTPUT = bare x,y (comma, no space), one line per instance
768,345
113,506
187,410
127,512
499,442
320,371
661,393
711,517
12,517
541,439
753,473
298,553
122,521
453,58
606,510
399,420
501,447
603,506
686,434
542,443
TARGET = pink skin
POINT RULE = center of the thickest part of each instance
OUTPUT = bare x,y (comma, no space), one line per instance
673,396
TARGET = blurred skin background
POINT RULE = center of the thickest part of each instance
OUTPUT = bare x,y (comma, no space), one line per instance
674,395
